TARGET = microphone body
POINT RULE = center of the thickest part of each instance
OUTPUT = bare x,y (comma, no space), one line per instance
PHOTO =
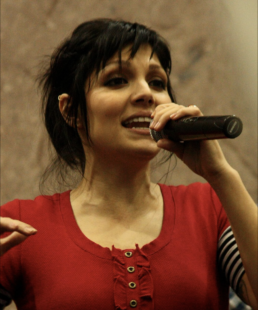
200,128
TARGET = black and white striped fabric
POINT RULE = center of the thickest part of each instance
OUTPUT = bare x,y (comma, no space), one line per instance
229,258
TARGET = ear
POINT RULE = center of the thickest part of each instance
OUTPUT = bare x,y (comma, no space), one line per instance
64,108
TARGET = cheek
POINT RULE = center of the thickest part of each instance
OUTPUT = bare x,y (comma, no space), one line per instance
104,109
166,98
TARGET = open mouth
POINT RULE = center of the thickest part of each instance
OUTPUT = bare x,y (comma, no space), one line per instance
138,123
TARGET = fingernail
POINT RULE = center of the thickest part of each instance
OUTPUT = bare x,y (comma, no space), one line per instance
172,116
30,230
157,125
152,125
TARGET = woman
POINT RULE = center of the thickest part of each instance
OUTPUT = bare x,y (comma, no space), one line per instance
118,241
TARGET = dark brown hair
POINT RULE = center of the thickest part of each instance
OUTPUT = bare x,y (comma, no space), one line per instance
86,51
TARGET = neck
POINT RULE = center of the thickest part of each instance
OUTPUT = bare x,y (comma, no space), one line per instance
118,185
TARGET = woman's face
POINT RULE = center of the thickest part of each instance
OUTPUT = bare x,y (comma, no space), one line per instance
120,102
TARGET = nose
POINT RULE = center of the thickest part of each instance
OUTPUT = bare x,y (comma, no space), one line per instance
142,94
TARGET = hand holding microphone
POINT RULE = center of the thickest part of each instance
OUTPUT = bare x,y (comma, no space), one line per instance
173,123
196,126
200,128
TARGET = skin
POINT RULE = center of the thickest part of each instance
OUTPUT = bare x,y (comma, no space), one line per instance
19,232
114,97
120,158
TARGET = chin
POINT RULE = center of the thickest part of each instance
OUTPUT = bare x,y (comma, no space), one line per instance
142,152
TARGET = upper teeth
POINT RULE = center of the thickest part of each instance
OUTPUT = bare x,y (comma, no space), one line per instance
139,119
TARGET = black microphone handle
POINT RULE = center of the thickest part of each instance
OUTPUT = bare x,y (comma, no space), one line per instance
200,128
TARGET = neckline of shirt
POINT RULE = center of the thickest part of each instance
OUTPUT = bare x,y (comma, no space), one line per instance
90,246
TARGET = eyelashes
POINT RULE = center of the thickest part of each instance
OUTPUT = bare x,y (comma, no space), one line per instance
119,81
158,84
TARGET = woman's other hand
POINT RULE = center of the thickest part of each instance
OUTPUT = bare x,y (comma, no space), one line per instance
19,232
203,157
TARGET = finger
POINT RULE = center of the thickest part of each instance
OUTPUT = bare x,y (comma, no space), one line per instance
162,116
162,106
12,240
8,225
191,110
173,112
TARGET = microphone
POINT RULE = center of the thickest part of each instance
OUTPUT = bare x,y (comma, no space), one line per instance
200,128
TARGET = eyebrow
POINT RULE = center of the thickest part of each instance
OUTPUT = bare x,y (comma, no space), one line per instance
127,63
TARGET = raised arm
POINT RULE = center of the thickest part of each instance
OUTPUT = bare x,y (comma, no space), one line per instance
207,160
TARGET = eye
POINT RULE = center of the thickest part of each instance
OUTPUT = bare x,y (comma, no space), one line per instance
117,81
157,83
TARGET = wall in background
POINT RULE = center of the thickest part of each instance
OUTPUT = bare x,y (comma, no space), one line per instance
214,49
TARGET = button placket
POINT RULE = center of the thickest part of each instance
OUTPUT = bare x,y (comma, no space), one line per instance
132,279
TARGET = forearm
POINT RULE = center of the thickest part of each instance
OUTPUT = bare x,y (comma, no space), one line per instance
242,214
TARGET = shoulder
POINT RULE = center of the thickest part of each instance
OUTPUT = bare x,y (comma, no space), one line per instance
197,201
19,208
195,192
196,198
193,187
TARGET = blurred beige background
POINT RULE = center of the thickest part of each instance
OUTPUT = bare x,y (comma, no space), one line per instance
214,50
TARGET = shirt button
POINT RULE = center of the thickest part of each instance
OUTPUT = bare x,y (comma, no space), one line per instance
128,254
132,285
131,269
133,303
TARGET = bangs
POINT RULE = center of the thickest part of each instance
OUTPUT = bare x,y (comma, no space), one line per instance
119,35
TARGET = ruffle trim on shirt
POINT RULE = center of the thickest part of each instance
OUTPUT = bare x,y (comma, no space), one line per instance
144,289
119,281
144,275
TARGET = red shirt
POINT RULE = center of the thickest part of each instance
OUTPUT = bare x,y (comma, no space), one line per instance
60,268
